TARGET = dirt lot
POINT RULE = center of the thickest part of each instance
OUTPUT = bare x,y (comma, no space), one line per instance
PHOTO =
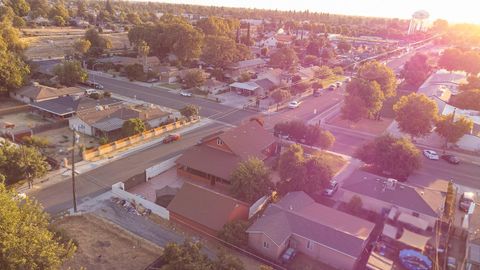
22,120
103,245
364,125
55,41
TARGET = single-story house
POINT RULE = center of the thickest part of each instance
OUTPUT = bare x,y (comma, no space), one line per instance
320,232
246,88
215,157
250,65
405,238
108,120
168,73
37,93
381,195
67,106
274,41
265,84
213,86
378,262
205,209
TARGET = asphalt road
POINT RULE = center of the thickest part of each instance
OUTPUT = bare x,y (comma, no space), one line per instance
58,197
163,97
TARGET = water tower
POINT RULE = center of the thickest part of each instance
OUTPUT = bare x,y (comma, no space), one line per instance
419,22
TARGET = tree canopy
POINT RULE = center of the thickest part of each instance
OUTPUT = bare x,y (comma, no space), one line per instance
416,114
416,70
190,111
383,75
23,162
396,156
250,180
194,78
222,51
13,69
452,130
365,99
284,58
216,26
70,73
235,233
133,126
26,241
98,43
467,100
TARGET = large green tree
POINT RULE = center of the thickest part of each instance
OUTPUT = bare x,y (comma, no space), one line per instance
217,26
190,111
290,163
235,233
284,58
396,156
383,75
98,43
450,59
59,9
194,78
416,114
221,51
19,7
416,70
365,99
70,73
17,163
13,70
468,100
250,180
25,240
82,46
452,130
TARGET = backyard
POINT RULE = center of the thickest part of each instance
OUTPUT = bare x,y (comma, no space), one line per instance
103,245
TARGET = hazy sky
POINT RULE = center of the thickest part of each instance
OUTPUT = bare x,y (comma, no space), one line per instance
455,11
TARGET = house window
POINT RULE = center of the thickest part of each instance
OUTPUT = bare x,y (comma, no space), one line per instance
265,245
309,245
219,141
415,214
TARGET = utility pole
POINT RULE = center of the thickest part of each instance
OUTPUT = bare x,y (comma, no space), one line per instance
75,137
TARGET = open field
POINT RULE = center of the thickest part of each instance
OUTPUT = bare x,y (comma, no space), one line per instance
54,42
102,245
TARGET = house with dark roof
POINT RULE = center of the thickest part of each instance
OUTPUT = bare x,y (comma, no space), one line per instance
67,106
320,232
205,209
215,157
473,253
37,93
380,195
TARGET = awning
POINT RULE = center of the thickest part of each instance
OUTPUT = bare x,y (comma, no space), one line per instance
377,262
414,221
390,231
414,240
250,86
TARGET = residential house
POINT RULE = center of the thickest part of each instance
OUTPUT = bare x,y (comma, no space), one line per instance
41,21
168,74
108,121
381,195
320,232
205,209
215,157
276,40
245,66
37,93
246,88
65,107
213,86
473,253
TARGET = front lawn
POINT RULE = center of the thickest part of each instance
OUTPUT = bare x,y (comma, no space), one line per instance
173,86
335,162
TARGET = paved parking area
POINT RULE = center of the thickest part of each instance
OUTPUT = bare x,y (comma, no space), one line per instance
233,99
148,189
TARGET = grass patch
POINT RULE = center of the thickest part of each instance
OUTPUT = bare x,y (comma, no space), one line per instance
302,262
174,86
333,79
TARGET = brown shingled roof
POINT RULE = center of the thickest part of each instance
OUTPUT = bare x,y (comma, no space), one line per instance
39,92
205,206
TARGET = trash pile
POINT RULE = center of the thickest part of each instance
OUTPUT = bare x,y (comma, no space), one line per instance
132,207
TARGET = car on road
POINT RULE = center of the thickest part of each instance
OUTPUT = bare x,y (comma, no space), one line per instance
288,255
185,94
171,138
91,91
430,154
93,84
338,84
293,104
467,198
451,159
348,79
153,80
331,189
317,93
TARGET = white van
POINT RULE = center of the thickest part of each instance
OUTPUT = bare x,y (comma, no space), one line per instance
91,91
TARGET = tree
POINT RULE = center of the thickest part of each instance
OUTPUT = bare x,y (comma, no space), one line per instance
315,135
250,180
468,100
98,43
222,51
133,126
27,242
323,72
284,58
326,139
60,10
355,205
440,25
189,111
19,7
473,82
416,114
38,142
344,46
82,46
70,73
290,163
235,233
310,60
183,40
226,261
244,77
24,162
383,75
450,59
185,256
134,18
327,54
194,78
39,8
81,8
280,95
134,72
264,51
143,50
364,99
13,70
416,70
18,22
397,156
452,130
470,62
216,26
58,21
338,70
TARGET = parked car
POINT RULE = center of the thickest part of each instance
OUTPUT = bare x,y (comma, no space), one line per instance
348,79
467,198
153,80
451,159
91,91
171,138
332,87
293,104
288,255
185,94
331,189
93,84
430,154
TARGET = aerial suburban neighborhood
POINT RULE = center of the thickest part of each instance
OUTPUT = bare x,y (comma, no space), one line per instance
239,135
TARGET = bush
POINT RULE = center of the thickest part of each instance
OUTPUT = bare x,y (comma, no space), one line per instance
324,72
103,140
280,95
235,233
338,70
135,72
